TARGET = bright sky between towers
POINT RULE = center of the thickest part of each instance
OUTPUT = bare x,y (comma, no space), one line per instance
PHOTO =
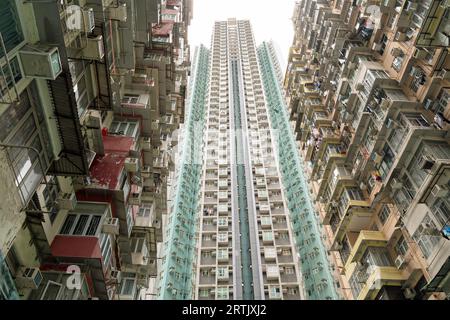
270,19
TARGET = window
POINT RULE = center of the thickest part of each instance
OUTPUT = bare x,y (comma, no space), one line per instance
222,272
145,210
128,284
441,211
81,224
125,128
204,293
222,236
274,292
222,254
52,291
267,235
6,82
205,272
50,193
289,270
387,162
424,238
130,99
401,247
222,293
223,222
384,214
105,246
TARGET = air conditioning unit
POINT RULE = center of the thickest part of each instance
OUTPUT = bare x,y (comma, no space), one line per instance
400,36
444,74
426,163
146,143
440,191
66,201
118,13
89,20
40,62
94,49
399,261
29,278
111,226
409,293
396,184
131,164
135,198
410,6
420,54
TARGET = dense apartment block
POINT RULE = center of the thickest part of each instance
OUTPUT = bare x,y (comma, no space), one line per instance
242,219
368,87
91,95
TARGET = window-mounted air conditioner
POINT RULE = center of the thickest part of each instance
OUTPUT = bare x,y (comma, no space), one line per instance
66,201
94,49
396,184
111,226
426,163
118,13
131,164
29,278
40,62
440,191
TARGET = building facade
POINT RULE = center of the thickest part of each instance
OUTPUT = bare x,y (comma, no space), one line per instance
91,95
368,86
235,228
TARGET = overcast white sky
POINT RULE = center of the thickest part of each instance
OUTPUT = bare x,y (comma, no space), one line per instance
270,19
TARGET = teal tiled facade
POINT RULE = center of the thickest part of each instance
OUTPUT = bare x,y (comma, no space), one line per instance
176,281
318,280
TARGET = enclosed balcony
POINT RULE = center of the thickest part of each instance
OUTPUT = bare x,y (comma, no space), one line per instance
53,286
374,271
350,213
86,237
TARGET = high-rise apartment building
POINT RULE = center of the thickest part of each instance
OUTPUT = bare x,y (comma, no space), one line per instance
91,94
242,225
368,87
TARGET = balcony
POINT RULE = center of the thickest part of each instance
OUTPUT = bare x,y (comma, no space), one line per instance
333,154
377,278
138,253
83,240
352,213
366,238
54,287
